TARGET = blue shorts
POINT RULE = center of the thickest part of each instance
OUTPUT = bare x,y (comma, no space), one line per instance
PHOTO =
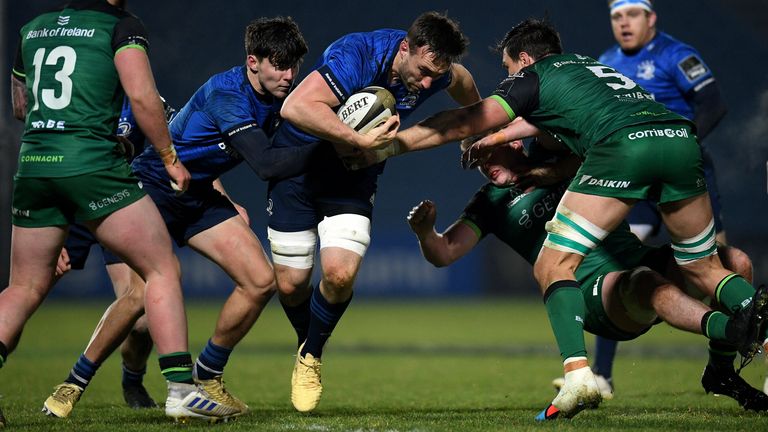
199,208
326,189
646,212
78,245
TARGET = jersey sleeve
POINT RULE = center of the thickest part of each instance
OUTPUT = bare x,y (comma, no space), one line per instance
478,214
18,64
518,94
688,69
345,67
129,32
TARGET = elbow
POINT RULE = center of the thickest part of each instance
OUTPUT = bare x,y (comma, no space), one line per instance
289,111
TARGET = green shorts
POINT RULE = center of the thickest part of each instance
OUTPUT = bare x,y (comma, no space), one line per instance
659,161
597,321
55,201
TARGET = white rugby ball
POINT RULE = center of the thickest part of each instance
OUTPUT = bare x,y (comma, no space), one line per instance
367,108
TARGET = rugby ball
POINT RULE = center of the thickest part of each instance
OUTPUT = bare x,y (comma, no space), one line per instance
367,109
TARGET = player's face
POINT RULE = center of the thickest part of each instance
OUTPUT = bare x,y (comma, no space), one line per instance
633,27
271,80
417,68
503,163
510,65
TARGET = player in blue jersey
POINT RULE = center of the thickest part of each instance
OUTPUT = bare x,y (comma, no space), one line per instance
675,74
331,202
228,120
138,344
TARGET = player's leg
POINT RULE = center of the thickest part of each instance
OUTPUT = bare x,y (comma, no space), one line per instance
580,223
235,248
344,239
293,255
137,346
691,227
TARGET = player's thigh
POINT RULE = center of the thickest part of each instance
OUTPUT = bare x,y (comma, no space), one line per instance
137,234
235,248
344,239
618,303
34,252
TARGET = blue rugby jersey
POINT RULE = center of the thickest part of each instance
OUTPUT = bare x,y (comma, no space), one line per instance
224,103
666,68
359,60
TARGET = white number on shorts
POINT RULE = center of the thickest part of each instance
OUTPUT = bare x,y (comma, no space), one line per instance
607,72
62,75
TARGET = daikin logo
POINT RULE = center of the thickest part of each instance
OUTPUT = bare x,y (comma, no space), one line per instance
63,20
616,184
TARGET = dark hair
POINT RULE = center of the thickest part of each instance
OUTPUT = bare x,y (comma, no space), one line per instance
277,39
538,38
440,34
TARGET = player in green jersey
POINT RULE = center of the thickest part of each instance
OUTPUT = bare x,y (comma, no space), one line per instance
73,68
632,148
621,280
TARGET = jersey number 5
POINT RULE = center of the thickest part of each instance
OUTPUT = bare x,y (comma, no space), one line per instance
606,72
62,75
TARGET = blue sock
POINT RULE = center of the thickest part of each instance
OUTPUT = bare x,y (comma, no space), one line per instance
133,378
211,361
299,317
605,352
322,321
82,372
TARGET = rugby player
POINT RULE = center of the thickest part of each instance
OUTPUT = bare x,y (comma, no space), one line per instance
621,134
335,204
73,68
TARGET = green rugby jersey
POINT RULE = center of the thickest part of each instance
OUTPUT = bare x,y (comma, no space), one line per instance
578,99
518,220
74,96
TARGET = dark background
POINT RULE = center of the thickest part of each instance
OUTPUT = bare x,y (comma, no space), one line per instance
193,40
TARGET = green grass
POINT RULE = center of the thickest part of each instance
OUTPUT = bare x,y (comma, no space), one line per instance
390,366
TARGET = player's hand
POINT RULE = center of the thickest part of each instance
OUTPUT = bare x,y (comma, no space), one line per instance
180,177
380,136
242,212
422,218
62,265
126,147
474,156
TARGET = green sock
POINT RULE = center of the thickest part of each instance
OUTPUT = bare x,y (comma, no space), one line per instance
177,367
713,325
566,310
734,292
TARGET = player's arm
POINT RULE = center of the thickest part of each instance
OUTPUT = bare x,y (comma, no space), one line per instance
708,108
440,249
463,88
139,84
309,107
19,87
268,162
699,88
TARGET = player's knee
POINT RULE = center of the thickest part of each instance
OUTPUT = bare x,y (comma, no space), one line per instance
293,249
736,260
338,277
346,231
141,327
696,248
572,233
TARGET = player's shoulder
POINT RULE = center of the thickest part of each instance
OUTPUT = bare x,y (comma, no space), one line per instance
667,45
371,41
611,55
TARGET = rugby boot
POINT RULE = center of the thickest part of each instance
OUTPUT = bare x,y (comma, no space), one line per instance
216,390
748,323
63,400
306,386
136,396
579,391
189,401
726,382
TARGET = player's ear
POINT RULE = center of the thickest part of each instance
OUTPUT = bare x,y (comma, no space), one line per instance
652,19
252,62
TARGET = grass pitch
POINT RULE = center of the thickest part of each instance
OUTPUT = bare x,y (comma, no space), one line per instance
390,366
